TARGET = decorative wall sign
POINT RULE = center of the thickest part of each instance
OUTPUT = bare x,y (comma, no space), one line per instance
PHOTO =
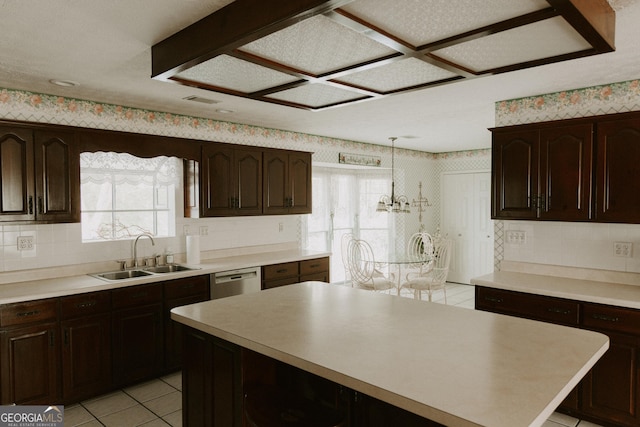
359,159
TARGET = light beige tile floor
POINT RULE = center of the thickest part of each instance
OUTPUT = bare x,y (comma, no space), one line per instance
159,402
150,404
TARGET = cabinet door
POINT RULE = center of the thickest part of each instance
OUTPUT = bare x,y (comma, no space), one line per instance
212,381
275,182
300,183
138,347
217,184
231,180
248,175
16,174
29,365
86,357
515,174
138,351
610,389
177,293
565,172
618,171
57,167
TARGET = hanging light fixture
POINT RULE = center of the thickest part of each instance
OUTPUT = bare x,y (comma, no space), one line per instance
393,203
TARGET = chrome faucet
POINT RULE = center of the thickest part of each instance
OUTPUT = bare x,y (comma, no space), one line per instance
135,247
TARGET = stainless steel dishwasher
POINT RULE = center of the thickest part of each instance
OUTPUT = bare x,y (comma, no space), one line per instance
235,282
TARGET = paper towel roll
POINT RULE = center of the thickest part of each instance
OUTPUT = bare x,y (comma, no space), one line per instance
193,249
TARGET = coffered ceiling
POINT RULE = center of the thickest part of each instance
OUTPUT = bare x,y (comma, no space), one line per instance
317,54
361,70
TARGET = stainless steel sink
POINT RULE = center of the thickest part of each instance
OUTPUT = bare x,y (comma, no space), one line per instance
172,268
141,272
120,275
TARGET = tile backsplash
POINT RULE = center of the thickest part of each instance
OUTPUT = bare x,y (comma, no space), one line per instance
58,245
573,244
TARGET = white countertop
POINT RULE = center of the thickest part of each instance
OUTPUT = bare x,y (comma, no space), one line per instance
580,289
456,366
69,285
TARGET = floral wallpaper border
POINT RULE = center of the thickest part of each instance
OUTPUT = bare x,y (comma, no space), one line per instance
43,108
589,101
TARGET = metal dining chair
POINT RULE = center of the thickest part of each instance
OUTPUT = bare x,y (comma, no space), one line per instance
432,275
344,252
420,246
362,266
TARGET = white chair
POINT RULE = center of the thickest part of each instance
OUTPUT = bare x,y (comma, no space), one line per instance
433,274
344,248
420,246
362,266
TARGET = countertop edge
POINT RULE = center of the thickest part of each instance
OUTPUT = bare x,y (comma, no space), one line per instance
615,294
84,283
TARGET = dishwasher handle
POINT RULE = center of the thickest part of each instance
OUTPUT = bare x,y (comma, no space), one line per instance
235,277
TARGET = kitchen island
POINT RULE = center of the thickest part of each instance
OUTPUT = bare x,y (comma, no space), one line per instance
451,365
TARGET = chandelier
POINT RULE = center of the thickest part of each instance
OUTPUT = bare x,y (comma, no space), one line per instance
393,203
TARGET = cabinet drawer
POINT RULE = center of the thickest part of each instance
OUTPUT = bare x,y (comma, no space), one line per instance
84,304
281,282
136,295
618,319
537,307
28,312
280,271
180,288
312,266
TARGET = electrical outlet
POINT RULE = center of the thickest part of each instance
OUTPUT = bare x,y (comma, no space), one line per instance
622,249
25,243
204,230
516,237
280,227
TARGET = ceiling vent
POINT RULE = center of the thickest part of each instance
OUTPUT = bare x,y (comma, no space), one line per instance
201,100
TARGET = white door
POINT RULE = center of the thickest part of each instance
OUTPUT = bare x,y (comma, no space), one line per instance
466,219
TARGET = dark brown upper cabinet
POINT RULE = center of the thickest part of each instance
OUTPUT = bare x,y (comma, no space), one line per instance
231,181
287,182
566,156
618,176
515,174
39,175
585,169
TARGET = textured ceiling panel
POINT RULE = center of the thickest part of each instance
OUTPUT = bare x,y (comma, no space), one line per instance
235,74
316,95
317,45
420,22
542,40
397,75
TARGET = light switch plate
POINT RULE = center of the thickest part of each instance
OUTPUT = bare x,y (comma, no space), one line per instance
25,243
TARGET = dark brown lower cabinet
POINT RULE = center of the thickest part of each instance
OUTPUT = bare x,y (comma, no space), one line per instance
610,393
29,365
219,377
86,357
211,381
85,330
176,293
288,273
29,353
137,338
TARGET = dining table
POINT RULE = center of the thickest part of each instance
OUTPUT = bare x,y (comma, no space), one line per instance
398,265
